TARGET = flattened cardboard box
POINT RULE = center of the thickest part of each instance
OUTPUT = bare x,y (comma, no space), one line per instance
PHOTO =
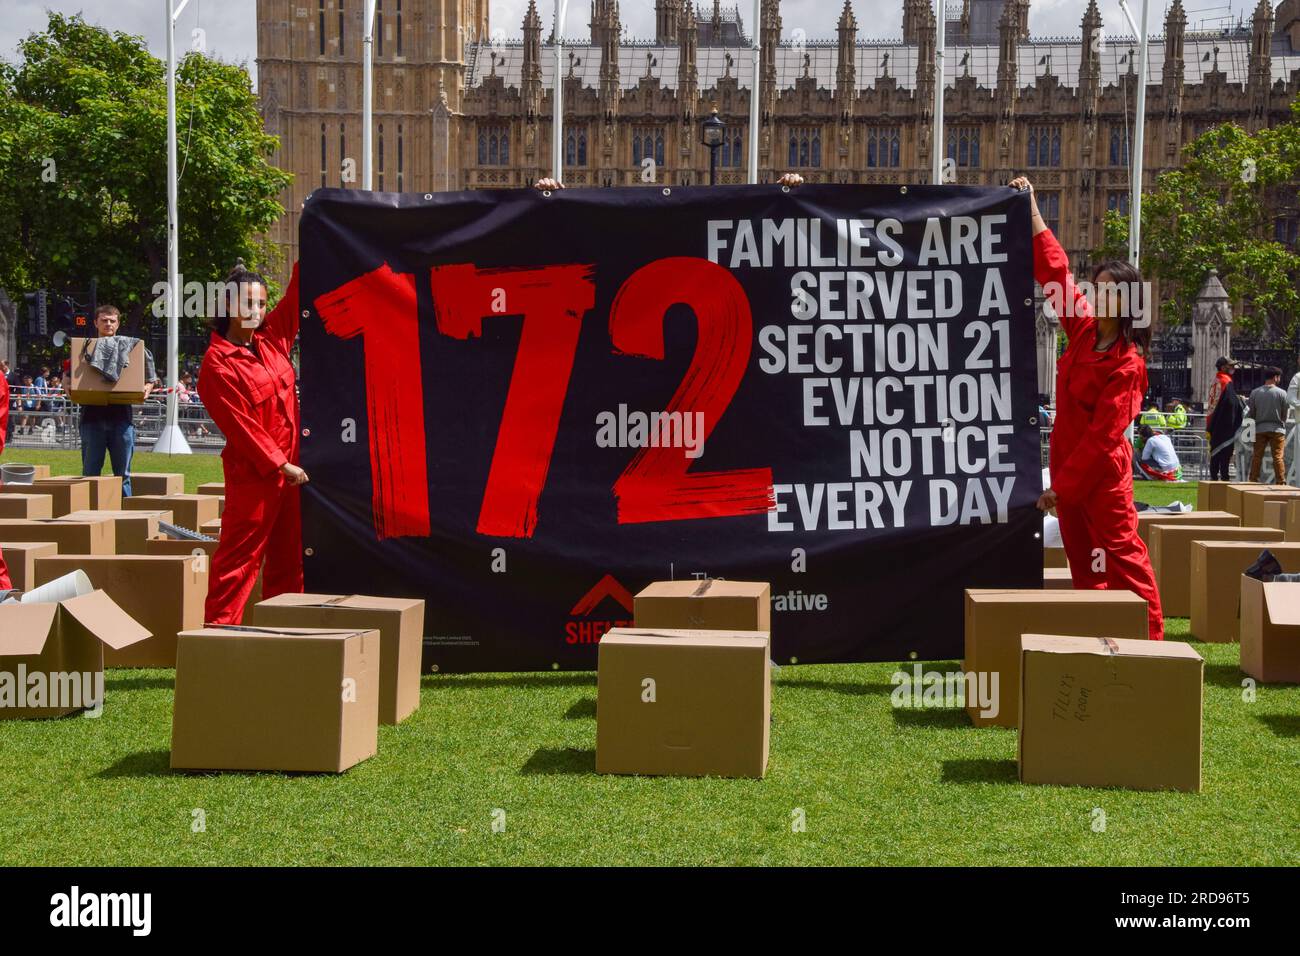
1171,557
165,594
996,618
1212,495
65,642
157,483
18,504
164,545
105,490
710,604
20,557
399,621
1254,499
65,495
683,703
190,511
88,386
1233,496
131,529
1057,579
1270,630
307,700
1216,583
72,535
1103,712
1147,518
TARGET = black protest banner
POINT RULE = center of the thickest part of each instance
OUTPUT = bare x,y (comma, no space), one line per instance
524,408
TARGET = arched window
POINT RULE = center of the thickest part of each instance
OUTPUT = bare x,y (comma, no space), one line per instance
570,150
492,150
659,149
725,158
505,147
1032,159
582,149
871,151
794,150
482,149
736,152
636,150
893,152
381,157
803,148
1056,147
816,148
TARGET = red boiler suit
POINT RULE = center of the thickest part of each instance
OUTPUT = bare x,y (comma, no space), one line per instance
250,395
5,583
1098,394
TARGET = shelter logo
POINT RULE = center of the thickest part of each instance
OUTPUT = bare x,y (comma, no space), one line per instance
584,628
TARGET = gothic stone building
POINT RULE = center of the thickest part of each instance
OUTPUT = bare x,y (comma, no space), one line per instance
461,104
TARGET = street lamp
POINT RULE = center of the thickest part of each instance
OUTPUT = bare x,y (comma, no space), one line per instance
712,132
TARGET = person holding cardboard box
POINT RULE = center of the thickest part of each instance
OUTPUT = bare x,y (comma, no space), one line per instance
248,385
111,428
1101,379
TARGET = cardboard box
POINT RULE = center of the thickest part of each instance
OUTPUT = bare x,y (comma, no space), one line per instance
683,702
710,604
293,700
1054,558
190,511
17,504
65,495
20,558
1171,557
131,529
165,594
399,621
105,490
158,546
1275,514
72,535
157,483
1212,495
1291,526
1270,630
211,528
1253,501
1103,712
1058,579
88,386
996,618
1147,518
66,642
217,488
1216,583
1234,500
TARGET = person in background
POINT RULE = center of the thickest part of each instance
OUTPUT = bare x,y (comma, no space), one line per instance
1223,416
1101,379
5,374
1153,417
5,583
27,402
1268,407
1175,414
1159,461
111,428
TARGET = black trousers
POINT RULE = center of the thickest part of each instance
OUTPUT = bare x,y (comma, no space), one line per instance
1219,464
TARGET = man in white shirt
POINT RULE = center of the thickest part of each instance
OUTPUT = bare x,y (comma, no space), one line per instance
1159,461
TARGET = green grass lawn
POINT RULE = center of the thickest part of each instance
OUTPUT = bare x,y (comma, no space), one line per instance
197,469
876,785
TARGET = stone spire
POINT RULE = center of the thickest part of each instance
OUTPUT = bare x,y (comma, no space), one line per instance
668,15
532,72
846,69
1261,73
688,77
1008,67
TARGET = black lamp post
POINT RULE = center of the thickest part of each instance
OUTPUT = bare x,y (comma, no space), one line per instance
712,133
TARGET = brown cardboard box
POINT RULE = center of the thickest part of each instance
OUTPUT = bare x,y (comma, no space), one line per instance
156,546
157,483
1234,500
1057,579
217,488
1291,526
65,640
297,699
1216,583
16,504
1270,630
131,529
1054,558
686,703
710,604
1212,495
1275,514
191,511
1253,501
1147,518
20,557
105,490
88,386
996,618
1171,557
1102,712
65,495
72,535
399,621
211,528
165,594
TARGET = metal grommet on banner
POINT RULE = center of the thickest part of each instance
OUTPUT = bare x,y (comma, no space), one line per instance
308,551
554,666
433,668
785,189
1033,419
794,660
903,190
1037,535
1029,302
546,193
306,433
911,655
306,313
428,195
667,191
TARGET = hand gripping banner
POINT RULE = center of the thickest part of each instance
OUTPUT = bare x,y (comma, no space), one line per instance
526,407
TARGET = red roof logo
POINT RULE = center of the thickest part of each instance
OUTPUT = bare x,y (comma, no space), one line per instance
606,587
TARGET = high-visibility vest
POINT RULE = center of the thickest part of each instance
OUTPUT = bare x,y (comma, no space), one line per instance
1152,417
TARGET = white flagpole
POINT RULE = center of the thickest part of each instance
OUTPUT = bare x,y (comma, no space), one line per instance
557,100
1135,200
936,139
367,96
753,98
170,440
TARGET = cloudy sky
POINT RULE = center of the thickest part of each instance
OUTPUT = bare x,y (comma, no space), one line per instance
230,25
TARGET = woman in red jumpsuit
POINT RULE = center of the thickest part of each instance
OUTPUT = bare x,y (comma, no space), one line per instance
5,583
247,385
1100,382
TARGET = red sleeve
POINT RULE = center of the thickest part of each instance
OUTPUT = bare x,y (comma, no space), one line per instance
4,410
1117,405
1052,270
244,433
281,325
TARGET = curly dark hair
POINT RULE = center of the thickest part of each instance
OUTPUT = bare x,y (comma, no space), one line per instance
239,275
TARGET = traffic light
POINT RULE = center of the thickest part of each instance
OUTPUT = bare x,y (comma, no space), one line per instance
37,312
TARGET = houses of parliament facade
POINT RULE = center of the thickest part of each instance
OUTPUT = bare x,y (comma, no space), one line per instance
462,103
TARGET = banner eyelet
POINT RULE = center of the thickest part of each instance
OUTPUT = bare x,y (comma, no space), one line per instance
667,191
903,190
785,189
428,196
308,551
546,193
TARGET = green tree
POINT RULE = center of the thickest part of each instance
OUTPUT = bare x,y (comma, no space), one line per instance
1217,212
83,166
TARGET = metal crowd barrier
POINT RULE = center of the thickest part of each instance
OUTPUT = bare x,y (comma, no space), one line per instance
54,421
